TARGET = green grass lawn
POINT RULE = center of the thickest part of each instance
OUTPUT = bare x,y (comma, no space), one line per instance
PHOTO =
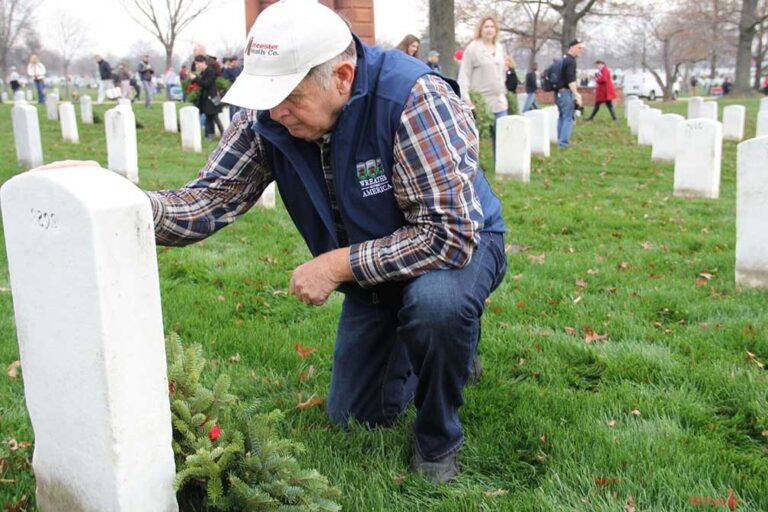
669,408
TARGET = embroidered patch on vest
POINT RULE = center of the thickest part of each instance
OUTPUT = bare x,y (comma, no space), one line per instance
372,178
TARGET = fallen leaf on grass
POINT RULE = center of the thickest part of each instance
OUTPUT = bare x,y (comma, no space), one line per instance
611,423
581,283
304,352
732,501
577,299
537,259
399,479
496,493
570,331
764,433
13,369
750,359
630,506
235,358
593,271
624,265
635,412
703,279
590,336
603,481
311,402
514,248
648,246
305,376
516,277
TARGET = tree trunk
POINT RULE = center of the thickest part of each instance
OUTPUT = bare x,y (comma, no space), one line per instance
168,57
747,29
442,34
570,22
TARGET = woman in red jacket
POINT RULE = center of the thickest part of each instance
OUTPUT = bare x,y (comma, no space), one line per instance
605,91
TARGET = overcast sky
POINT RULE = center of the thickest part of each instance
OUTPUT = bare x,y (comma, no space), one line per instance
111,30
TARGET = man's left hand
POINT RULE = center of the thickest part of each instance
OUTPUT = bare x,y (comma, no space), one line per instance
313,282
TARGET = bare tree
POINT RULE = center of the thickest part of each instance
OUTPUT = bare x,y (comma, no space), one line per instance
165,20
69,37
749,20
15,19
571,13
761,45
672,42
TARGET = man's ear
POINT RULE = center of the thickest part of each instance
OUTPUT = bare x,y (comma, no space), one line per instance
345,77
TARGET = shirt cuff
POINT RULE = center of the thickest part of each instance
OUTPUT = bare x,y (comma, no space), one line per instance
361,260
157,208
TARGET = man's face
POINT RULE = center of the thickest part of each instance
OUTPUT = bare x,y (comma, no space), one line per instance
146,58
576,50
309,112
233,63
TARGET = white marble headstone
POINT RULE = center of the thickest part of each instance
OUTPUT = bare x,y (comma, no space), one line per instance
764,103
698,158
86,299
125,102
4,96
694,107
52,106
733,122
634,117
29,95
86,109
26,135
751,212
18,96
762,124
646,125
122,150
539,132
513,148
68,121
191,139
170,121
631,104
554,115
665,137
267,199
708,110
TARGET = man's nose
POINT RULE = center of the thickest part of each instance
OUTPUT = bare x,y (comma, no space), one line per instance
278,112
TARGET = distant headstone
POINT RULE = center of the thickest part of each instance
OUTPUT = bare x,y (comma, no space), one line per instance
646,126
18,96
4,96
122,151
634,119
762,123
708,110
52,107
29,95
539,132
86,109
554,114
751,212
267,199
191,140
86,300
733,122
665,137
170,121
68,121
26,135
632,103
764,103
694,107
125,102
513,148
697,162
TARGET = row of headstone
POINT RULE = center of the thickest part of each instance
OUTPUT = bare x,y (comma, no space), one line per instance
540,128
697,158
513,148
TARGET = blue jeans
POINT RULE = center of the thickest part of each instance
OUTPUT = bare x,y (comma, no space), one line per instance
40,86
565,119
530,102
496,117
416,343
147,86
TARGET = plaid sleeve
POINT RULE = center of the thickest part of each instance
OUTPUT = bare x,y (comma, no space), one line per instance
436,158
229,184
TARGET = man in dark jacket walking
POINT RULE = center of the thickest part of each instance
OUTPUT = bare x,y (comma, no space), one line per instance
531,85
145,72
105,78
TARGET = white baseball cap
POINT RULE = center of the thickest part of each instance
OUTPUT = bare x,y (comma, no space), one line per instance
287,39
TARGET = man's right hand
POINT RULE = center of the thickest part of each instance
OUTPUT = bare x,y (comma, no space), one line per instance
64,164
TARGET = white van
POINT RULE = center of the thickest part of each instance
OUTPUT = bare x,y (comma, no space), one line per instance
644,85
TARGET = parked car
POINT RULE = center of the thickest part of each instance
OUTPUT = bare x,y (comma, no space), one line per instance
644,85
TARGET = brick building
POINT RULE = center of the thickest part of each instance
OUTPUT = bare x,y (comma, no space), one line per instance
358,12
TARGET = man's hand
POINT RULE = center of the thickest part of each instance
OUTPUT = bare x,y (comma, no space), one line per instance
579,100
313,282
64,164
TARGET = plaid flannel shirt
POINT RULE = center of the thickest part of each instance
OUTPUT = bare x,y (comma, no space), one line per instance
435,154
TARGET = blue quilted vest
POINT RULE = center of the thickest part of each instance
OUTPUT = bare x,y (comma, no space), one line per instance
362,144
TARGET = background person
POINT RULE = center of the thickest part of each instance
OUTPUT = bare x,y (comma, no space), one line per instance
531,86
206,79
36,73
145,72
567,94
605,92
483,70
105,78
410,45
